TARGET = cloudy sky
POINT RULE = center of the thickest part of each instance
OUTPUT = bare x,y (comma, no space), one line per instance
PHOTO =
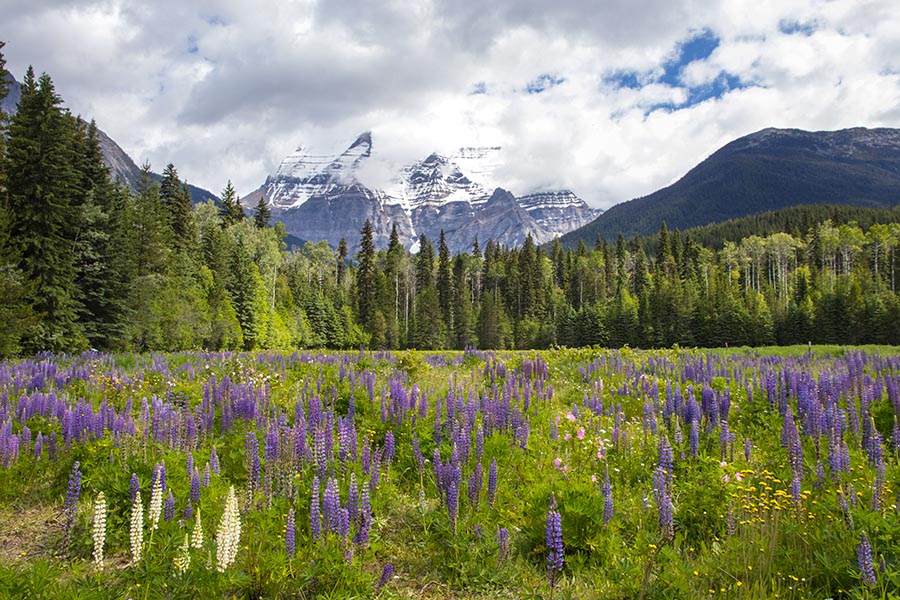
610,98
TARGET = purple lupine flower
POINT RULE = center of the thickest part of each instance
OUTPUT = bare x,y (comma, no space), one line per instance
315,520
492,482
135,486
289,534
321,451
343,525
554,542
353,498
796,490
206,476
503,542
38,445
607,499
159,473
663,495
453,503
417,453
189,463
748,445
189,511
386,575
475,478
331,505
864,559
195,487
364,518
375,473
73,492
479,443
251,445
271,445
665,460
214,461
169,507
695,438
389,447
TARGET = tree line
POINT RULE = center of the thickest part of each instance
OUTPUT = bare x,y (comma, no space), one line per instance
88,263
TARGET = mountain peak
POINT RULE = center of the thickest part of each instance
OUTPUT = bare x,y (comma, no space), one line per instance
364,139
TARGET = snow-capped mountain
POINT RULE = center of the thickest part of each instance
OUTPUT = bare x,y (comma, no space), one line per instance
324,197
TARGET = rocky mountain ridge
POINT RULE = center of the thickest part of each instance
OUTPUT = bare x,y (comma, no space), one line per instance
325,197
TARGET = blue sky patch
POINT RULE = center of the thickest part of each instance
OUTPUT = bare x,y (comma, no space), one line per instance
698,47
542,83
797,27
478,88
192,45
624,79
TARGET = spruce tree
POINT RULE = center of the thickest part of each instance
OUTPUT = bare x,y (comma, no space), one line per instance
41,183
342,254
230,212
99,251
445,282
462,305
365,277
262,213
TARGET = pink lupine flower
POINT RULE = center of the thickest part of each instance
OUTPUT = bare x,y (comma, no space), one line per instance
580,433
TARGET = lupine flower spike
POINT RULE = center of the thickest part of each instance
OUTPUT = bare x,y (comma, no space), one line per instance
554,541
228,535
137,528
99,528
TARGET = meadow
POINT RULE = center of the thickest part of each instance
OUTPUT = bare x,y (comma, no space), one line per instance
735,473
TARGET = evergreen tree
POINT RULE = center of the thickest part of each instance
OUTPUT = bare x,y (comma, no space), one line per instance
462,305
366,278
101,281
262,213
40,185
445,282
393,275
230,212
342,255
147,228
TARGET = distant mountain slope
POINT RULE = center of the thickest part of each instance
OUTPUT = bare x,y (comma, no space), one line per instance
120,164
324,197
765,171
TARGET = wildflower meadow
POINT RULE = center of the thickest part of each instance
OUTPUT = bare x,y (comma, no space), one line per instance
766,473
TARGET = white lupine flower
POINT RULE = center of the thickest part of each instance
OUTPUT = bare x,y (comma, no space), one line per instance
156,500
99,528
183,560
228,535
197,535
137,528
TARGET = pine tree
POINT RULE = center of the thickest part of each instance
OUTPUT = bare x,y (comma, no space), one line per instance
147,228
393,275
175,199
342,254
99,250
445,282
365,278
262,213
462,305
40,184
230,212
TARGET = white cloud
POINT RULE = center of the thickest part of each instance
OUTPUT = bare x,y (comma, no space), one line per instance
225,89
